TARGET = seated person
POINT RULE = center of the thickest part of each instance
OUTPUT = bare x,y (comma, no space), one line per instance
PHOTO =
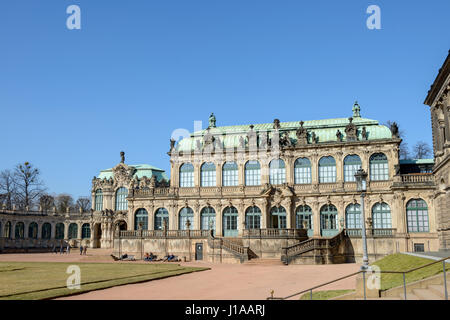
124,256
171,257
146,257
166,258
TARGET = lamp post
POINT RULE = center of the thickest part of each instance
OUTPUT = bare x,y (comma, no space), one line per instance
361,186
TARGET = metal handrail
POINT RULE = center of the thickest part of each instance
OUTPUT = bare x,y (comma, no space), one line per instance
364,273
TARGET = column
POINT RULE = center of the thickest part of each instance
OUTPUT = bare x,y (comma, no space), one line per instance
241,173
219,220
289,170
219,174
173,223
197,218
314,169
264,215
339,167
79,230
66,231
53,235
151,217
288,208
316,217
39,230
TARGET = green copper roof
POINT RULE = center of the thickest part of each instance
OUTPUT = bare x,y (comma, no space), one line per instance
142,170
325,131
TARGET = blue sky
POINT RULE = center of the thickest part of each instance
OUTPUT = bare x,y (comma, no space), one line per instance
71,100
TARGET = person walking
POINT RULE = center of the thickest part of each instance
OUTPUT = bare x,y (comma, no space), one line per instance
68,248
85,250
61,248
81,249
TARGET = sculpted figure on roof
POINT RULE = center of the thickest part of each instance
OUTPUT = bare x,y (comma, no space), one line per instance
351,130
252,138
302,135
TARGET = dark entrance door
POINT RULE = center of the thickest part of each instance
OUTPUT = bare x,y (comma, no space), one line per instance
199,251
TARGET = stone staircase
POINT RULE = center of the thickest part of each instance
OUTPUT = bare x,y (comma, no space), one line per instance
264,262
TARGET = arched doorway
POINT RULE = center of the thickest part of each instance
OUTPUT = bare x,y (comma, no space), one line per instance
97,235
121,225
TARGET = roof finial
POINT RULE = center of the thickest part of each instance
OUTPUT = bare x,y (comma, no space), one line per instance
122,156
356,110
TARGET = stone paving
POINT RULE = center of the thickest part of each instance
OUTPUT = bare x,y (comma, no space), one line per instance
223,281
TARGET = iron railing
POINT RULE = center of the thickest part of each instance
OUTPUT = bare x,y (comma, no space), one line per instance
376,233
403,273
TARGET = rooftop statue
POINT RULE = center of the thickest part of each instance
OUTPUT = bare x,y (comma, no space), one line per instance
212,121
356,110
122,156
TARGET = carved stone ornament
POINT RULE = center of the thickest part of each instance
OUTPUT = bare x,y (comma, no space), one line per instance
364,133
351,131
285,141
394,130
313,138
276,124
123,174
252,138
208,141
339,136
302,135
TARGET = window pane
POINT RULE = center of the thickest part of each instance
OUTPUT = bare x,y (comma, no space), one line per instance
252,173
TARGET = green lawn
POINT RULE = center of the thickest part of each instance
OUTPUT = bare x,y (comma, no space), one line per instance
324,295
45,280
403,262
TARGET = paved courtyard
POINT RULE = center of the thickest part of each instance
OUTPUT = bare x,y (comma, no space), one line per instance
223,281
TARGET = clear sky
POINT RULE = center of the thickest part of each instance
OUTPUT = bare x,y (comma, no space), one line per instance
71,100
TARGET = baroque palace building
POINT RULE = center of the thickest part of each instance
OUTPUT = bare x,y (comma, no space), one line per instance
281,190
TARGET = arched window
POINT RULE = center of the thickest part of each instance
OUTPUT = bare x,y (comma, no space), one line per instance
303,219
278,217
351,164
230,174
141,219
208,218
85,231
46,231
19,230
59,231
208,174
161,215
7,230
99,200
328,223
186,175
230,222
302,171
417,216
381,216
379,168
73,231
185,215
253,218
353,216
121,199
277,172
327,170
33,230
252,173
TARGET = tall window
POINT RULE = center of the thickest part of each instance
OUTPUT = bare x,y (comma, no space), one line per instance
417,216
121,199
351,164
186,175
252,173
230,174
328,220
99,200
353,216
253,218
141,219
46,231
73,231
59,231
19,230
381,216
277,171
208,174
33,230
161,215
302,171
208,218
327,170
303,219
278,217
379,169
7,230
230,222
185,215
85,231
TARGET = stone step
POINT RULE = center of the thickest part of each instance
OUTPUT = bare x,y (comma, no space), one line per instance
409,296
438,289
426,294
268,262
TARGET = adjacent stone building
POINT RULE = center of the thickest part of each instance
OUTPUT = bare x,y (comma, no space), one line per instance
438,99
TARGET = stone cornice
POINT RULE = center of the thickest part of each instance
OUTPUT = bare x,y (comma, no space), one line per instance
439,83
